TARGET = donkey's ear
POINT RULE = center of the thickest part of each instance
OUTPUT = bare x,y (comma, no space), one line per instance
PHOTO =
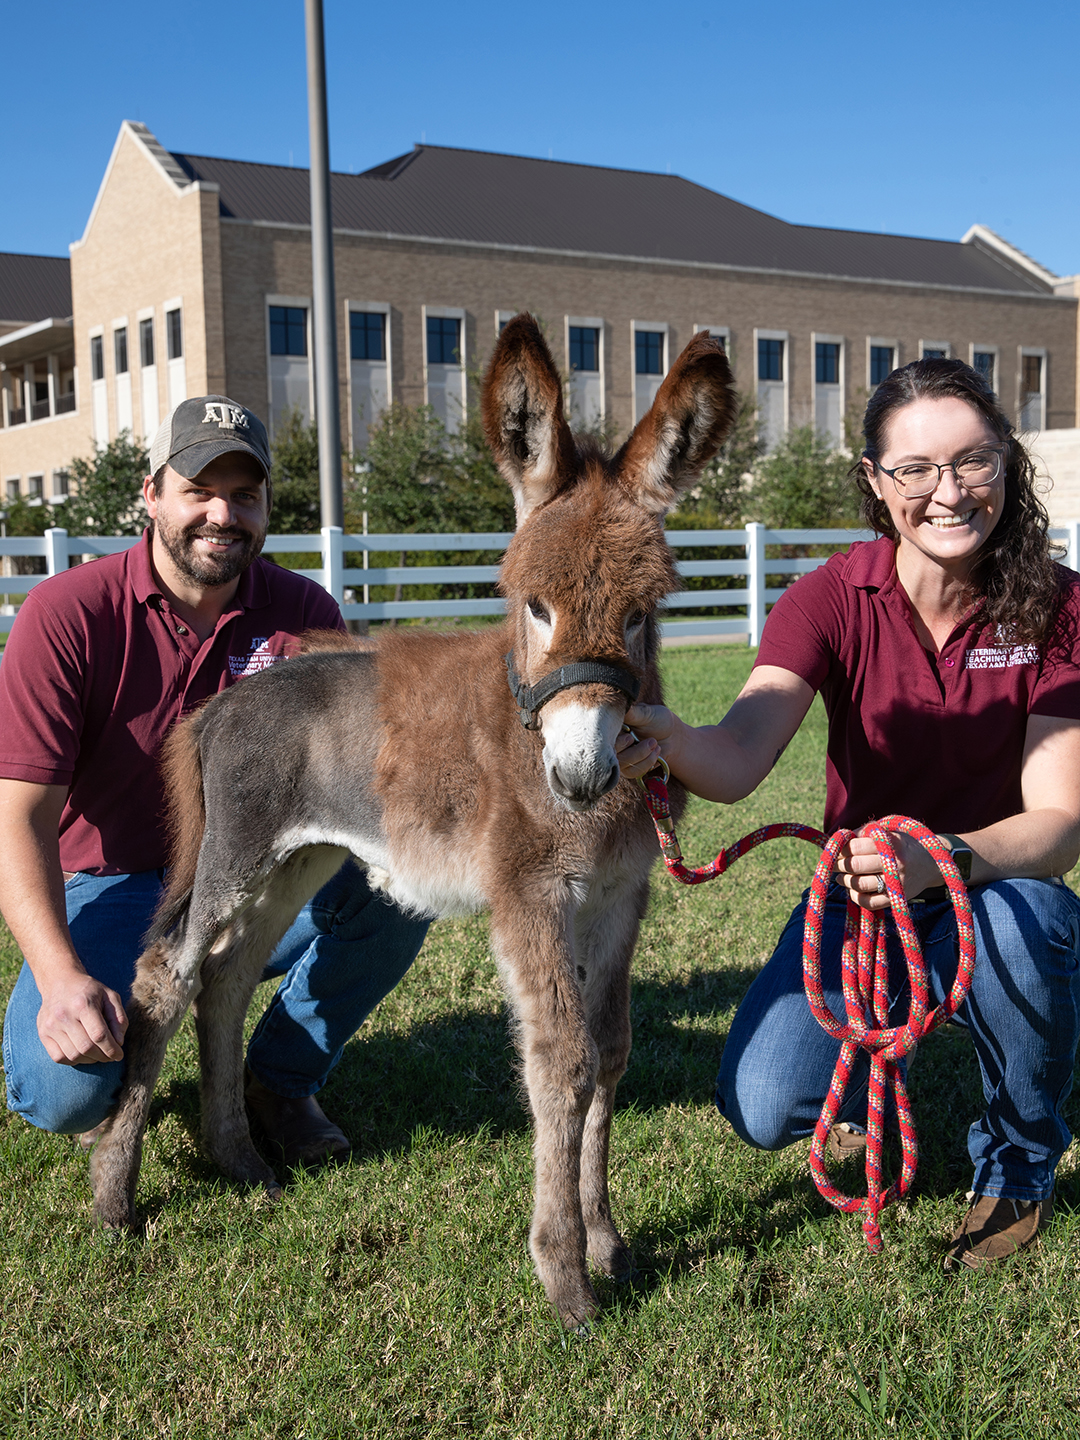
693,411
522,408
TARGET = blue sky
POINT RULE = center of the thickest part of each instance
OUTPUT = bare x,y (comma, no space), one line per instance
920,119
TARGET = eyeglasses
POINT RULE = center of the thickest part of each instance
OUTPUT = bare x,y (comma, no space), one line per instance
981,467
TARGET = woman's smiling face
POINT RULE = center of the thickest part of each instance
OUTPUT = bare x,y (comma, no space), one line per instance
948,526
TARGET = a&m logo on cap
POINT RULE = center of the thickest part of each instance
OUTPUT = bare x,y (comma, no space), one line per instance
226,417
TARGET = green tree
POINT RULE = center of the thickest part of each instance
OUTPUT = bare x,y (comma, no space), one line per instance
294,473
404,484
803,485
106,498
22,518
719,499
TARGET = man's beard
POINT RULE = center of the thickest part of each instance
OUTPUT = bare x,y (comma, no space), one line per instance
208,569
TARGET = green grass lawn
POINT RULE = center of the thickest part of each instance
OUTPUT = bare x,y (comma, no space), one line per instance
394,1296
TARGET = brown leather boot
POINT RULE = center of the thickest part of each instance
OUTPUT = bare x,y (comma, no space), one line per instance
297,1128
995,1229
844,1143
89,1138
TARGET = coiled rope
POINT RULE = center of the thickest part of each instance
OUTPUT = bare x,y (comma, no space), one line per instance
865,983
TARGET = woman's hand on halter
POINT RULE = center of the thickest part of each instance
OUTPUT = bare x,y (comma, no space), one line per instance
859,864
654,727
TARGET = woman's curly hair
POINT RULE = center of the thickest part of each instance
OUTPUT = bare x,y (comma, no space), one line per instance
1014,571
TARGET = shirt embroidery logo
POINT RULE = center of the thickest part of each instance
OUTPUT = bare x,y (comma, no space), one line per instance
257,658
1001,657
226,417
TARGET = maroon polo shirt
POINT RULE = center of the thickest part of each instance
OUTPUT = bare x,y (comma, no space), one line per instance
97,669
939,737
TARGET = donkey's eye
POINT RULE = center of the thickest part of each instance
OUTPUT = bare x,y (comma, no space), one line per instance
634,619
539,611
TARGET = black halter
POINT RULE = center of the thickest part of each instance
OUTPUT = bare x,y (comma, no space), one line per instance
585,672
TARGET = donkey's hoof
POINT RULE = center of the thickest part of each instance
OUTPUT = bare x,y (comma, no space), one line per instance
115,1218
581,1332
273,1191
610,1254
578,1309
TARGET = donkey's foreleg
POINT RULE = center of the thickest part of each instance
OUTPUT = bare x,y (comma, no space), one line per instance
605,945
161,992
560,1076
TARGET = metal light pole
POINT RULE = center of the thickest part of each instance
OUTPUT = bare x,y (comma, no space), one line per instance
327,415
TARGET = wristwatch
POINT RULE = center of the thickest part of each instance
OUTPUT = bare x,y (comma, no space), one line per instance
961,855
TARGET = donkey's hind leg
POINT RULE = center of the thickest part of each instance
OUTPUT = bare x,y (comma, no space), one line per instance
160,995
230,974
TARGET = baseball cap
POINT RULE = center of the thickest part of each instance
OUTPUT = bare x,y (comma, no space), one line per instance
198,431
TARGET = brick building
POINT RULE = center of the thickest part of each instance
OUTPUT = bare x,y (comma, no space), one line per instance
194,275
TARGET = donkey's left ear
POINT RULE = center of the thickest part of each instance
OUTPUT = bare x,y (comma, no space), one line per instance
690,418
523,417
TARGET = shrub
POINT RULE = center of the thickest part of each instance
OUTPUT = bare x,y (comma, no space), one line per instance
106,498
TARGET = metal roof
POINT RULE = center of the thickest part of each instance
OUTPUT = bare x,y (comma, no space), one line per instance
477,197
34,287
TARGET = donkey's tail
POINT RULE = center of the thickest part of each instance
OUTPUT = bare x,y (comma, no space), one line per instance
181,764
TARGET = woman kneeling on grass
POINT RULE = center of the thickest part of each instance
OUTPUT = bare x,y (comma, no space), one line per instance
946,654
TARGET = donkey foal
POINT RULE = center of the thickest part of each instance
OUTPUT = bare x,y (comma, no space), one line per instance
412,756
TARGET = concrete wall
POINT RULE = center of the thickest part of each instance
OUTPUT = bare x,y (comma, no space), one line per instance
1057,457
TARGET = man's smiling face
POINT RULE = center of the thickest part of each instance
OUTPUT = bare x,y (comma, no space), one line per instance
211,527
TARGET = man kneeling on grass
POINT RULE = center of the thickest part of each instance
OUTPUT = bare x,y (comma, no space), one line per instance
102,661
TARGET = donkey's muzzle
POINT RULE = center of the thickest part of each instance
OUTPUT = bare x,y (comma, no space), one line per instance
583,790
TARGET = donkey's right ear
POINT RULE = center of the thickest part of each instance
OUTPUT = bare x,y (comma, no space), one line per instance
522,408
692,414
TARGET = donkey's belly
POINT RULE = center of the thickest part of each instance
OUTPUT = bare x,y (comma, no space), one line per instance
428,877
431,878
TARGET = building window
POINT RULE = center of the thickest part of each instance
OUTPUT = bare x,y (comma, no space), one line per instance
146,343
35,486
1031,392
97,357
881,363
59,484
12,487
584,347
174,335
983,362
367,339
770,359
443,340
120,350
827,361
934,352
648,352
288,330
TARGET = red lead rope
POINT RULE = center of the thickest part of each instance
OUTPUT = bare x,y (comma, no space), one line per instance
865,981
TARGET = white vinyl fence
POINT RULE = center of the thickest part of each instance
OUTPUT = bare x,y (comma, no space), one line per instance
350,583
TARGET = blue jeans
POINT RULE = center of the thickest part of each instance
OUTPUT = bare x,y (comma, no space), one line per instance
346,949
1023,1014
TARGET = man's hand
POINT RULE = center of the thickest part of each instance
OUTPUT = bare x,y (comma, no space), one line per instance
81,1022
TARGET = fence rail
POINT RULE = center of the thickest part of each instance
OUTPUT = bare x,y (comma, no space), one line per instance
345,581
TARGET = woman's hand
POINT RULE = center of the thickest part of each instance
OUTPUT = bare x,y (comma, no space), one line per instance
859,866
654,726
